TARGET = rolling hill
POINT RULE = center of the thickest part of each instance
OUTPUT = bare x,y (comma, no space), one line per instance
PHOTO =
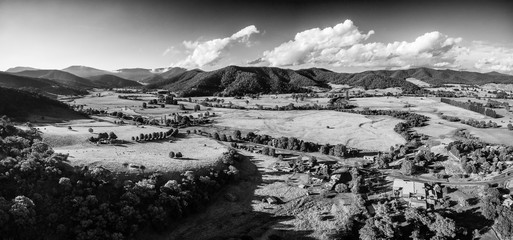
62,77
22,106
85,72
40,85
70,80
111,81
19,69
234,80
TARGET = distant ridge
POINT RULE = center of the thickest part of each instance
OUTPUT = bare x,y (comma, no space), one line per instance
84,71
235,80
19,69
111,81
40,85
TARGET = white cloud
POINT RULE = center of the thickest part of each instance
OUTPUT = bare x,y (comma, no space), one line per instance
344,45
488,57
310,44
209,52
168,50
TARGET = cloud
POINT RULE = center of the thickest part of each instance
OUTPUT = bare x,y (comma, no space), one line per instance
489,57
504,65
210,52
310,44
168,50
345,45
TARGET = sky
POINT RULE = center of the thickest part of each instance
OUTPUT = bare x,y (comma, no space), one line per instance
343,36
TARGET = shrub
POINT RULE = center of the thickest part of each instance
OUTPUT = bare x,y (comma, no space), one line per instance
172,154
341,188
178,155
90,130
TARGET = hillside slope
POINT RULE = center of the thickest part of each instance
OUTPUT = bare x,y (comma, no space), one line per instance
19,69
111,81
84,71
22,106
43,86
234,80
64,78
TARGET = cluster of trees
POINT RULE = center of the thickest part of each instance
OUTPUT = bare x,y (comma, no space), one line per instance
289,143
175,155
445,94
472,106
103,137
492,209
156,135
411,120
42,197
301,96
450,118
480,124
476,156
130,97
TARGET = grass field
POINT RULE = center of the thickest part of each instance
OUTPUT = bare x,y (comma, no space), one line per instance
364,132
198,152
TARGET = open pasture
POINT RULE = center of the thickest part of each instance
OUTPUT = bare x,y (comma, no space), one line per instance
198,152
353,130
438,127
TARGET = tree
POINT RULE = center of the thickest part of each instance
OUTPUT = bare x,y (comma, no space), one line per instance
90,130
443,227
178,155
407,167
172,154
236,135
113,136
369,230
341,188
272,152
181,107
144,105
216,136
197,108
265,151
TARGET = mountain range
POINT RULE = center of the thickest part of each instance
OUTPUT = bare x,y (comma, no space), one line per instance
233,80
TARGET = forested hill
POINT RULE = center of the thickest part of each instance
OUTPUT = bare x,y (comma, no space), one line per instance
41,85
234,80
21,106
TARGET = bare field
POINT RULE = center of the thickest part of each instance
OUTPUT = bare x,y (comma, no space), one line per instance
198,152
354,130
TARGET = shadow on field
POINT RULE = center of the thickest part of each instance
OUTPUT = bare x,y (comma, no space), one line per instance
238,219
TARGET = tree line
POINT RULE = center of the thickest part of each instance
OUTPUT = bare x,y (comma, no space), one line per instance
472,106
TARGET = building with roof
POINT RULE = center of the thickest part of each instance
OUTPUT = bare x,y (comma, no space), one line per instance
412,192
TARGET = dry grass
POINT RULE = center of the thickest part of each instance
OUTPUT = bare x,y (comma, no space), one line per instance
198,152
364,132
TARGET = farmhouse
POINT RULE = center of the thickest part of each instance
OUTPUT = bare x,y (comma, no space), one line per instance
412,192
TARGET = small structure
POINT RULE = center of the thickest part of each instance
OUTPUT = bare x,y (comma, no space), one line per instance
508,201
369,158
412,192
